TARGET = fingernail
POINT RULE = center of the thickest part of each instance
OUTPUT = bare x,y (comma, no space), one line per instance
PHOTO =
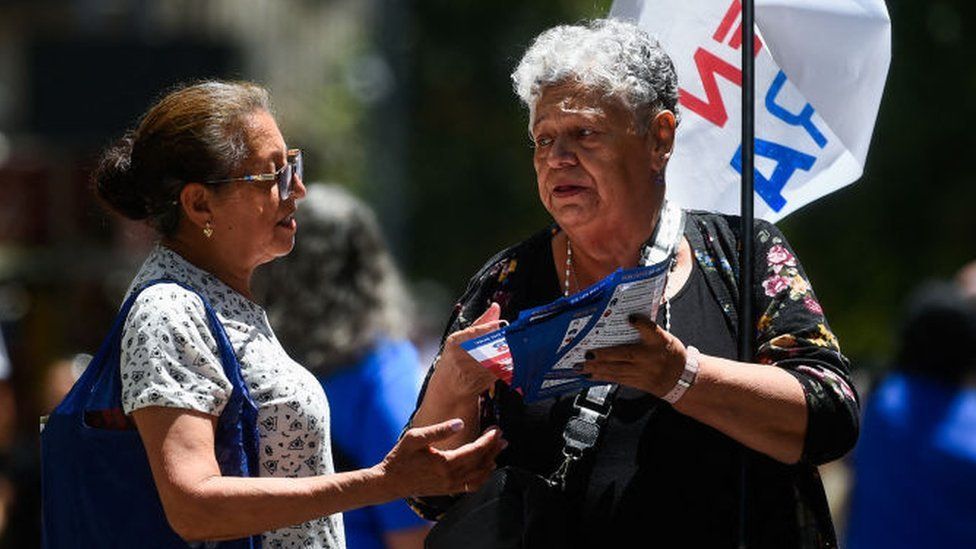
589,355
456,425
578,366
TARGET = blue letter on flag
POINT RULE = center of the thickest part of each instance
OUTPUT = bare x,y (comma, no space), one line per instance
787,161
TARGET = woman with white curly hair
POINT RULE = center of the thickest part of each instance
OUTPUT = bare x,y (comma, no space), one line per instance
688,417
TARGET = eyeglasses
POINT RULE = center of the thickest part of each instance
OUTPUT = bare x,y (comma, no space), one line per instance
285,176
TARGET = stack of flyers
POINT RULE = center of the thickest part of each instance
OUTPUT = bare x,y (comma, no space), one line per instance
536,353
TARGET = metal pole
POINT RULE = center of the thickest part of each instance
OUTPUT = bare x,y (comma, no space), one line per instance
746,327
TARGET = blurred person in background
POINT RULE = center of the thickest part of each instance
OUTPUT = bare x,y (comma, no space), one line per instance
208,168
915,464
20,522
338,306
18,456
8,424
602,100
966,280
59,377
8,431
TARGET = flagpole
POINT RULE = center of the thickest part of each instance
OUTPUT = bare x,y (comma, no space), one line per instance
748,162
746,327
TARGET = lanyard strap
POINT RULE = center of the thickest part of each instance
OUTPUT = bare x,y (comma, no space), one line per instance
592,408
666,239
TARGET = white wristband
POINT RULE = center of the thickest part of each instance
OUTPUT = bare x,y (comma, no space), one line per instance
687,378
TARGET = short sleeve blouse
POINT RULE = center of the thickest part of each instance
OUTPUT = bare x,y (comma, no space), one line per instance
169,358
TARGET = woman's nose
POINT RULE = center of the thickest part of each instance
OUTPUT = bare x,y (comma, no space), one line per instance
298,188
561,153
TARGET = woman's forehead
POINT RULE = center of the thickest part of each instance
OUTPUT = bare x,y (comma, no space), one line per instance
264,138
574,100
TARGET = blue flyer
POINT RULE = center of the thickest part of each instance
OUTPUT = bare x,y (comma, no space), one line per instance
537,352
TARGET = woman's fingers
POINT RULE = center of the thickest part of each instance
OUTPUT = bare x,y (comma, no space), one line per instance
432,433
483,448
476,458
619,353
489,321
649,330
414,467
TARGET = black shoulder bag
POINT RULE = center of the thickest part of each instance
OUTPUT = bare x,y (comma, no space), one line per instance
516,508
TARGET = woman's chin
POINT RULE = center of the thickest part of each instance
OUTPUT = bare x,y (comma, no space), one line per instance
573,215
283,246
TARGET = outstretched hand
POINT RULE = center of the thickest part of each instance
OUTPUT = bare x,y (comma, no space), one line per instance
652,365
415,468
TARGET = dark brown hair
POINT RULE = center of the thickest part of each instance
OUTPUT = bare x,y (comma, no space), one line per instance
196,132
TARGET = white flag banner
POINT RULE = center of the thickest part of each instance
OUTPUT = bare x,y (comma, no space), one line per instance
820,71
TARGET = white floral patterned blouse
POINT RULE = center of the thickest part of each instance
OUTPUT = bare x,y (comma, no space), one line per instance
169,358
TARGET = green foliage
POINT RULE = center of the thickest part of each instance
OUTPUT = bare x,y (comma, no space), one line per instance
472,185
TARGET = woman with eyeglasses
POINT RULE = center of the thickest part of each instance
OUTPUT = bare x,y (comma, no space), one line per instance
208,168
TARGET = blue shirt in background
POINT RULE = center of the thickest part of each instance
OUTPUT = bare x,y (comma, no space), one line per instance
370,403
915,467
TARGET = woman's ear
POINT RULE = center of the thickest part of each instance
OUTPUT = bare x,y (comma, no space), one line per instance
196,201
661,139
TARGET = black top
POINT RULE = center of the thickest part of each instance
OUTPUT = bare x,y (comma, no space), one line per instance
659,475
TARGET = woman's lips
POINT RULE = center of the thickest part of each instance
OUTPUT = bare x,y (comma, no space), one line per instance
288,222
567,190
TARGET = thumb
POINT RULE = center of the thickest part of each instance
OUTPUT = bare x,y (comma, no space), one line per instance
437,431
491,314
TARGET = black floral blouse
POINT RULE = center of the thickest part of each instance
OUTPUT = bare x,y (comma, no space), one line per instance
791,333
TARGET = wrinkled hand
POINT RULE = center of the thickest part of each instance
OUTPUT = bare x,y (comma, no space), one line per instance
415,468
652,365
461,373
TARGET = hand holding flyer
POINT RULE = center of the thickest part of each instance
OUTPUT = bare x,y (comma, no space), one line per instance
536,353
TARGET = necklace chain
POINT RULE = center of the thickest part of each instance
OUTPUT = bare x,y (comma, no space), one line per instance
570,271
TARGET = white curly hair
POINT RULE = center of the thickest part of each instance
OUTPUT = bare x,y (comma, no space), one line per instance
608,55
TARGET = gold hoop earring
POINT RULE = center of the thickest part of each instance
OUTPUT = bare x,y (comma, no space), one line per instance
207,230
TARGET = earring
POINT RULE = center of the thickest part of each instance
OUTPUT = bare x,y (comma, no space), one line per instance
208,230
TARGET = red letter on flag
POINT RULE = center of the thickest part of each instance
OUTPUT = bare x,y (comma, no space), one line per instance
713,109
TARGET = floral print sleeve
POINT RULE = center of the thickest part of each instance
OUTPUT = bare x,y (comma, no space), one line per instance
791,330
485,287
792,333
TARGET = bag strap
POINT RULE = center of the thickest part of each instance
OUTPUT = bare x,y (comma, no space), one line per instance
582,431
225,350
237,423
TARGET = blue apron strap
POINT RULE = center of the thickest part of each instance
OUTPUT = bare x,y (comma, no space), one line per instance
237,437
